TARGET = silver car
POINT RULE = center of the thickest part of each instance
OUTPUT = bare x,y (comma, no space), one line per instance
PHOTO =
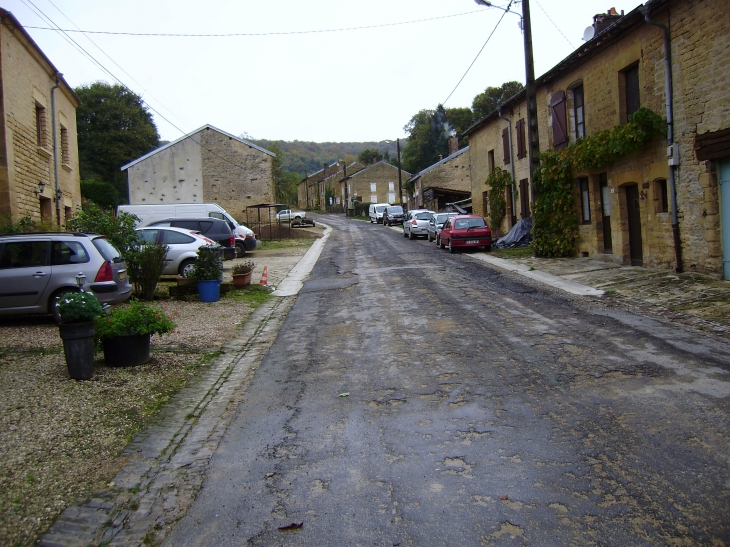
182,246
435,223
36,269
416,223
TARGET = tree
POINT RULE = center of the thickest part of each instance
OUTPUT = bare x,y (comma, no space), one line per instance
487,102
100,192
428,132
285,182
460,119
366,156
119,230
114,127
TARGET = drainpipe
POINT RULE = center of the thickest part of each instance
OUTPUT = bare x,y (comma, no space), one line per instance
511,161
59,193
674,158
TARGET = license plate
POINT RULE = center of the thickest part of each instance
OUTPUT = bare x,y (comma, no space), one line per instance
122,275
472,242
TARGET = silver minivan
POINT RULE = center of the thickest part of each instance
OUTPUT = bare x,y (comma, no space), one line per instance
36,269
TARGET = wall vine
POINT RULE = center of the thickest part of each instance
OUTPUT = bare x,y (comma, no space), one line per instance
555,220
497,180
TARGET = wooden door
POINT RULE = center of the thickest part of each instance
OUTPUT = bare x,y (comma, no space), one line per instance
633,208
606,214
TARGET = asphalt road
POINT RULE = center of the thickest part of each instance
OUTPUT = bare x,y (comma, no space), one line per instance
418,398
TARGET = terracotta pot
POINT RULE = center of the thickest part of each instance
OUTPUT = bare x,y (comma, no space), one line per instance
242,280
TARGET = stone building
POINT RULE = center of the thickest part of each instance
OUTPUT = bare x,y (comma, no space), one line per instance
626,208
313,191
446,181
37,179
376,183
205,166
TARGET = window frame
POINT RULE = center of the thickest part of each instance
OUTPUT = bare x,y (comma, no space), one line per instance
579,130
584,191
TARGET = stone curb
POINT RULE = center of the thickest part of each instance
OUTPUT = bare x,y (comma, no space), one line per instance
167,460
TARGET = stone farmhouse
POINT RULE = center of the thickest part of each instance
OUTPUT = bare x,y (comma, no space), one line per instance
446,181
666,205
312,192
39,159
207,165
376,183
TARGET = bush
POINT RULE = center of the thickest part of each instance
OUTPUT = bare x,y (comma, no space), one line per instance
25,224
77,307
208,266
119,230
144,265
134,318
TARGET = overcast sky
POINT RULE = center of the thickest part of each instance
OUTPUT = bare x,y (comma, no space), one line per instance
305,71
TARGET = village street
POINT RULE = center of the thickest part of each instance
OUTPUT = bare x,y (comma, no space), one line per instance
417,398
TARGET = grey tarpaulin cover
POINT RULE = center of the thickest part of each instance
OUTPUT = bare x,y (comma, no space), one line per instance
518,236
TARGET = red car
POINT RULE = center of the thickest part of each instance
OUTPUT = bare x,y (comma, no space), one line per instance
464,232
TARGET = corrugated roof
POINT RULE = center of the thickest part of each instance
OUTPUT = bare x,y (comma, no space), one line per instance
207,126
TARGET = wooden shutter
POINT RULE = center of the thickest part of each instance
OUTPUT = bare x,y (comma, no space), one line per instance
560,127
521,145
524,199
505,145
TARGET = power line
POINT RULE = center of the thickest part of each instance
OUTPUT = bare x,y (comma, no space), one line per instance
480,52
282,33
556,26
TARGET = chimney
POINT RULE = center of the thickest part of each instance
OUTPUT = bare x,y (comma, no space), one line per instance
326,170
453,145
602,21
441,157
375,160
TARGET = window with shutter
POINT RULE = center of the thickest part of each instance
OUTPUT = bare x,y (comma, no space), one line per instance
505,145
579,112
521,144
560,127
632,99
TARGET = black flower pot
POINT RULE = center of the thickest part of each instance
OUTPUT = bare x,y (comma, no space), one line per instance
126,351
78,348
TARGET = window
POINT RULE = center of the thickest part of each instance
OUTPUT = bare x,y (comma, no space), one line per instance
661,196
490,161
391,186
40,124
579,113
632,100
65,158
391,197
585,201
373,198
505,145
68,252
46,209
24,254
373,187
560,126
524,198
521,145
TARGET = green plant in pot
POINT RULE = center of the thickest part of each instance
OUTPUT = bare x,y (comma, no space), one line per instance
208,272
125,332
242,273
78,311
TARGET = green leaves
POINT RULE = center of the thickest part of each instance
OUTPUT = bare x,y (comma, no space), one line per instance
497,181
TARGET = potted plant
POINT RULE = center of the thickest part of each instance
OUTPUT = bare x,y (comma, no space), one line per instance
78,311
208,272
242,273
125,332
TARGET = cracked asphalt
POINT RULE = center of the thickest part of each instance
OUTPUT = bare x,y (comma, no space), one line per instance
416,398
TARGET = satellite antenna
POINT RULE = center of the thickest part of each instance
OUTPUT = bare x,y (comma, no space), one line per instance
589,33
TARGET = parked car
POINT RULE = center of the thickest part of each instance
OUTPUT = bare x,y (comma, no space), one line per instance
416,223
436,222
375,212
212,228
393,214
36,269
465,232
183,247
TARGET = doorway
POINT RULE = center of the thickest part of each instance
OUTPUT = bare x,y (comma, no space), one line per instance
606,213
633,208
724,172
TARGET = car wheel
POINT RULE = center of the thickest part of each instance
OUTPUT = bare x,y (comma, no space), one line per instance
186,267
451,248
410,235
405,234
439,242
240,249
53,301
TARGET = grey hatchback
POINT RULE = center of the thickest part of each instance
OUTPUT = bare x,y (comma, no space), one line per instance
36,269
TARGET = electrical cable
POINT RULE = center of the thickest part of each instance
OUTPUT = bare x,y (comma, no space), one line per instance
287,33
556,26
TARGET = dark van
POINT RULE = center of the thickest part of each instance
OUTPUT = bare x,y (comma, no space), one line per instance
212,228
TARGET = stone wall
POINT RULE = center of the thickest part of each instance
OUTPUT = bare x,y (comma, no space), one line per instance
384,177
26,82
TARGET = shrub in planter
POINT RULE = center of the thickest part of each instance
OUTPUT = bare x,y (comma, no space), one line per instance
144,265
125,332
241,273
78,311
78,307
209,265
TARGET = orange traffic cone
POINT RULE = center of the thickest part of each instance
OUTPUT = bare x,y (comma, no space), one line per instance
265,276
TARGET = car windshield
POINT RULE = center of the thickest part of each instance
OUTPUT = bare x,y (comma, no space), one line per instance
466,223
380,209
440,219
395,210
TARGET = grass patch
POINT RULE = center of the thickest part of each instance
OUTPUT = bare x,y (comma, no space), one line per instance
515,252
287,243
254,295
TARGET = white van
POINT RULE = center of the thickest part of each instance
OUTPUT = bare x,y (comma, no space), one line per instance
245,238
376,212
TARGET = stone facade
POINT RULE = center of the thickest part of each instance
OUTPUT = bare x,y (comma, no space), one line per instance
376,183
634,193
27,77
444,182
312,192
205,166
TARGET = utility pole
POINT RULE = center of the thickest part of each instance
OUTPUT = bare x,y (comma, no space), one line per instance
533,144
400,191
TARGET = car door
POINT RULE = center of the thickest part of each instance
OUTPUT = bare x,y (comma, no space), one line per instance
25,272
445,232
181,246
